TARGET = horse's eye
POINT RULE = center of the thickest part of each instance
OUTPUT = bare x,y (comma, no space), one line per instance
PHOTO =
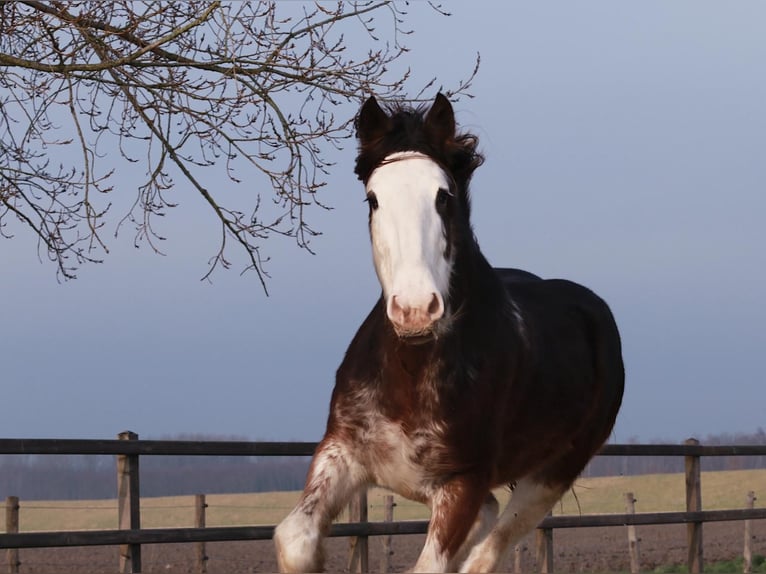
442,197
372,201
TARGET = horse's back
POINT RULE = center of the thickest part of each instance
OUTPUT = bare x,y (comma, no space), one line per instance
546,300
513,275
551,309
574,364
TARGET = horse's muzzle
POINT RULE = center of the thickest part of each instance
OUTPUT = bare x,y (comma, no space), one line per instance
413,317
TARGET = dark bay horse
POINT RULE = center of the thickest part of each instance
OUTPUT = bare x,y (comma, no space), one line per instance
463,377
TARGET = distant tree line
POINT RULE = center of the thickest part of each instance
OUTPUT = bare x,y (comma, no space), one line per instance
65,477
62,477
74,477
633,465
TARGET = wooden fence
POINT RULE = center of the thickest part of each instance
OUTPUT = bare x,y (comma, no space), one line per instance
130,536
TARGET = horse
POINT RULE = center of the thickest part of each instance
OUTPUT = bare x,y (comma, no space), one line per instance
462,378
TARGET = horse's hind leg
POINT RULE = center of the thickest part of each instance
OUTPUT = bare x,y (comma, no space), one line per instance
529,504
333,478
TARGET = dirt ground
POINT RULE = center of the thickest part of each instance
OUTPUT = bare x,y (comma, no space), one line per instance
575,550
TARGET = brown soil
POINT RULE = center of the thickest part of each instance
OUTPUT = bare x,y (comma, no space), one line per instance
575,550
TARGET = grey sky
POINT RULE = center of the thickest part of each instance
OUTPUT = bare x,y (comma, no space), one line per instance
625,150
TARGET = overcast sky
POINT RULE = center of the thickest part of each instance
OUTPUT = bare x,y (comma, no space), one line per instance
625,150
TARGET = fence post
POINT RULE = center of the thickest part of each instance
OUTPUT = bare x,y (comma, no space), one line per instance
128,501
747,553
12,527
544,549
357,512
199,522
517,555
388,516
693,504
633,540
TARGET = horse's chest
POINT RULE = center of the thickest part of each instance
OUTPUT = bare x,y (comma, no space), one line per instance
405,462
396,423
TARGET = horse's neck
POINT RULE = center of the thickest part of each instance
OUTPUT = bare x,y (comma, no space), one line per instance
476,282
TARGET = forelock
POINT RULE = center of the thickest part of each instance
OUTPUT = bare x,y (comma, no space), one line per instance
459,155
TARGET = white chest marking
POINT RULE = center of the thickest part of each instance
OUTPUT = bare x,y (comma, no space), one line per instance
395,460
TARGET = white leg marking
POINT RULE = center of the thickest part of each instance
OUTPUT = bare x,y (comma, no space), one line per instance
333,477
298,543
529,504
485,521
433,557
455,510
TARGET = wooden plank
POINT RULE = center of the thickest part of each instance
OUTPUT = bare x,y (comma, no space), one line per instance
200,507
359,545
380,528
544,550
12,527
155,447
128,505
246,448
388,516
593,520
633,540
681,450
144,536
693,476
183,535
747,551
234,533
518,552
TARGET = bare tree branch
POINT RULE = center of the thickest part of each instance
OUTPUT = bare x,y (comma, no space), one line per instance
182,93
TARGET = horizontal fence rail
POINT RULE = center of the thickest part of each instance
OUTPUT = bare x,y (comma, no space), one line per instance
131,536
154,447
244,448
238,533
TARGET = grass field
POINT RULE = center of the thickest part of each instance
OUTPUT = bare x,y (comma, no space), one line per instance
654,493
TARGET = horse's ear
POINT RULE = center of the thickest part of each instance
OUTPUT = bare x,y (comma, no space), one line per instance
372,122
440,119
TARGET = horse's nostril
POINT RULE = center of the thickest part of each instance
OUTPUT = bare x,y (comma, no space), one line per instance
397,313
435,307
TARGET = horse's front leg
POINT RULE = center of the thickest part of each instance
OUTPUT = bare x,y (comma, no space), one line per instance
334,476
454,510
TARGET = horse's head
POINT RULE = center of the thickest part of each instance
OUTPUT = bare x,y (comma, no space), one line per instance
416,171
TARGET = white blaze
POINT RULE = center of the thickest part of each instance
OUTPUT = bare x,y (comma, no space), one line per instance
408,241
